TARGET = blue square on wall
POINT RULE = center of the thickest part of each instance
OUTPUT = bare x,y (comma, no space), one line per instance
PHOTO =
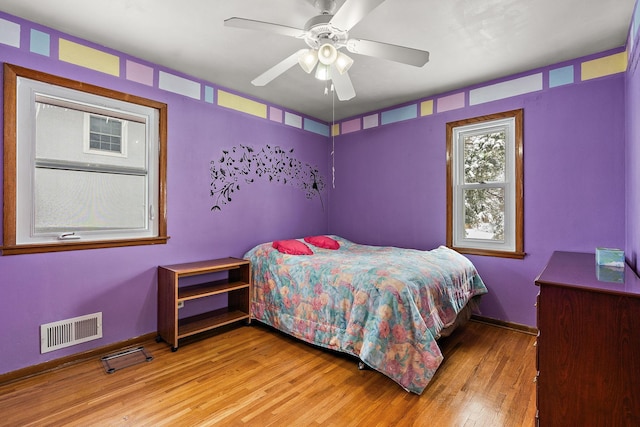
561,76
40,43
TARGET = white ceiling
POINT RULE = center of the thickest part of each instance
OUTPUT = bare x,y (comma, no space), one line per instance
470,41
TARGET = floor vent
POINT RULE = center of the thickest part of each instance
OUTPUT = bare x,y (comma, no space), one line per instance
65,333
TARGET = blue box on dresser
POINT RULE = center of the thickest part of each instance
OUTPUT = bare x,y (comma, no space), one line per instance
605,273
610,257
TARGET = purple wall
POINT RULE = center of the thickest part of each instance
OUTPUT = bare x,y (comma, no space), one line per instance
391,183
390,190
632,165
121,282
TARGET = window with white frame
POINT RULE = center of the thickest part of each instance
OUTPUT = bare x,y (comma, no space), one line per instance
105,135
485,185
88,166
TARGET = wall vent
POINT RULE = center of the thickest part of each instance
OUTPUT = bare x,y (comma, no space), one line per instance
65,333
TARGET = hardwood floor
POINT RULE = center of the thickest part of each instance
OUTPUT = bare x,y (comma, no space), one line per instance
254,376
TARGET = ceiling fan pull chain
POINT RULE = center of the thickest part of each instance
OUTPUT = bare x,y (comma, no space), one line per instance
333,138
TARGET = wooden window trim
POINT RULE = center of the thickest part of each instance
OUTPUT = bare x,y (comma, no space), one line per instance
519,185
11,74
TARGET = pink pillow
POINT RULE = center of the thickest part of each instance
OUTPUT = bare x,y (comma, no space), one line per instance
325,242
292,247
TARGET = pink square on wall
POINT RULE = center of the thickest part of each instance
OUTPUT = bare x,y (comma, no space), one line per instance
139,73
275,114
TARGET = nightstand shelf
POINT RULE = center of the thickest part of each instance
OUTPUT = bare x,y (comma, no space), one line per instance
207,289
207,321
171,294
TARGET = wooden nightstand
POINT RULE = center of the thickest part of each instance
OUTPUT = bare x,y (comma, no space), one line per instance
237,286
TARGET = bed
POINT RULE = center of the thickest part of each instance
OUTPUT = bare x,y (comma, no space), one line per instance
386,306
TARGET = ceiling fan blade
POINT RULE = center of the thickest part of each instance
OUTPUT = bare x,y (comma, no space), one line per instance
250,24
392,52
278,69
342,84
352,12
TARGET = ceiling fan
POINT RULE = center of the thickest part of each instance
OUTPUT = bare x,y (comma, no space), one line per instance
326,34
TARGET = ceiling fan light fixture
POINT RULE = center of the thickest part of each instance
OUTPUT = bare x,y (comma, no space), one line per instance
323,72
308,60
327,54
343,62
325,35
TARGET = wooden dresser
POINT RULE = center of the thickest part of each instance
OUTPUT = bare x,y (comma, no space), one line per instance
588,346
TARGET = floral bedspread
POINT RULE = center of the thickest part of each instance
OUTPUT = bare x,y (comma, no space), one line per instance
384,305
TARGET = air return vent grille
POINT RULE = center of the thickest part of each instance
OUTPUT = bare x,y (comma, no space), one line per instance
65,333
